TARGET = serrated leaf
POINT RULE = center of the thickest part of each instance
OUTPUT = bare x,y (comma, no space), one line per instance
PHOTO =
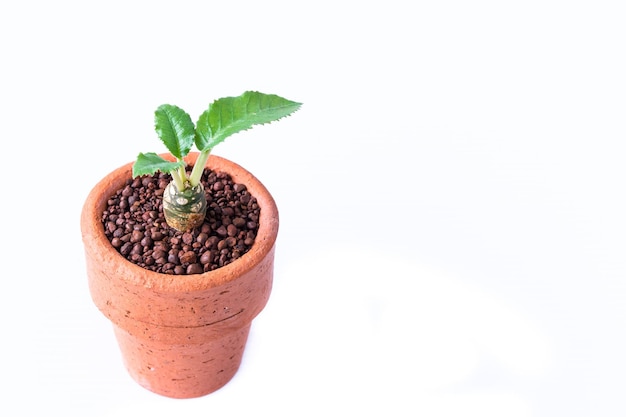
149,163
175,128
230,115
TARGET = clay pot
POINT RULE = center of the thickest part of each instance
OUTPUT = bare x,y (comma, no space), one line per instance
180,336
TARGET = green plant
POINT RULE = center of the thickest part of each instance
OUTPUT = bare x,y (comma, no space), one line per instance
184,201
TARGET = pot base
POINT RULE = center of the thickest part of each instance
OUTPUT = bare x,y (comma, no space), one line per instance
196,370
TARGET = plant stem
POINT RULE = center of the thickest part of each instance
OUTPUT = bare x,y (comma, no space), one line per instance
198,168
178,180
183,175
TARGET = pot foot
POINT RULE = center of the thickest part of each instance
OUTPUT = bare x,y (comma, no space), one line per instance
182,371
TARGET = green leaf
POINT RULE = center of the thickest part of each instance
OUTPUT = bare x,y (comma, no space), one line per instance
175,128
230,115
149,163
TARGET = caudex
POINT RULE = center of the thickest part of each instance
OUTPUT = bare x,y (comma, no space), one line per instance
184,200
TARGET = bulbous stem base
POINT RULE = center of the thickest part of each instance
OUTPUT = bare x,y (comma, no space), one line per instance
184,210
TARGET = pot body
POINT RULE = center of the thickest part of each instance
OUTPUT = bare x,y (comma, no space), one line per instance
180,336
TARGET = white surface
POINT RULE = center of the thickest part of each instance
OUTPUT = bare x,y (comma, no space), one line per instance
451,193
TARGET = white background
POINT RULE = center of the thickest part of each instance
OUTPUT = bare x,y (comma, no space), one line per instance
452,237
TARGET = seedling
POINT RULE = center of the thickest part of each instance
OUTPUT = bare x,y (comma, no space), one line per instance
184,200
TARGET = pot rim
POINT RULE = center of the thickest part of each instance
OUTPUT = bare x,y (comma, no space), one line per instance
93,231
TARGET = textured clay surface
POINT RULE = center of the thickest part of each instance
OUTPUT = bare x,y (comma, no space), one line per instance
183,371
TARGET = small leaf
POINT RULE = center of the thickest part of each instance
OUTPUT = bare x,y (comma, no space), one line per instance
230,115
149,163
175,128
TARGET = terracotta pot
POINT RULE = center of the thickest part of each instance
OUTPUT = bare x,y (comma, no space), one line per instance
180,336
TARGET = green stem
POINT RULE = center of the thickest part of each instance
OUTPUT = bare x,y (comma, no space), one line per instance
183,175
198,168
178,180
